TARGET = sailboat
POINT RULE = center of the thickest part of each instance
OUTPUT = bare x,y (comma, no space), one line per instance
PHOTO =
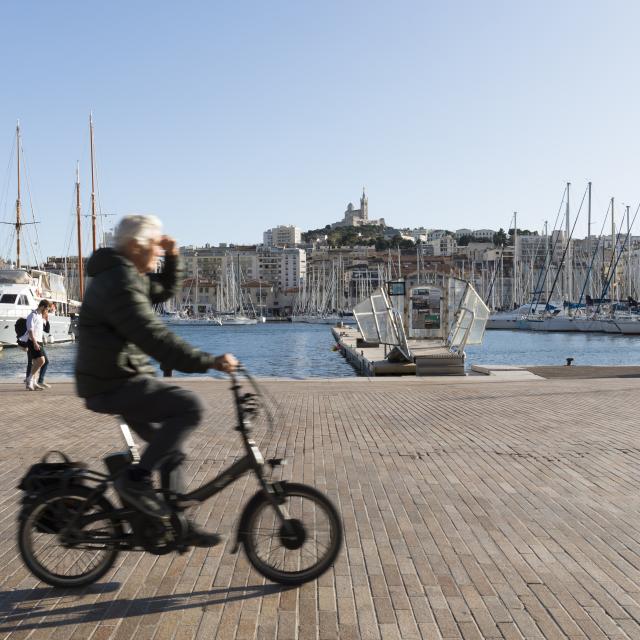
239,315
189,315
22,288
318,301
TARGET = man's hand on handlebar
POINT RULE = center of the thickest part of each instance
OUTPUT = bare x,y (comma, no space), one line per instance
227,363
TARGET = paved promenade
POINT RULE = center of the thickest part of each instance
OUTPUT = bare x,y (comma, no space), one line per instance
473,508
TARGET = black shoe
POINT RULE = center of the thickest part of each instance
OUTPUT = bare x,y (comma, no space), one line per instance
142,495
197,537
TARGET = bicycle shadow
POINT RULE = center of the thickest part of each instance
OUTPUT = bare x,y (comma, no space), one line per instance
15,616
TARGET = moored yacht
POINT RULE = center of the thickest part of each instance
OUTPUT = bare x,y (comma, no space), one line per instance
20,292
237,319
517,318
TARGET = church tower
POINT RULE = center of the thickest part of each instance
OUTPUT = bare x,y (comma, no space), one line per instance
364,206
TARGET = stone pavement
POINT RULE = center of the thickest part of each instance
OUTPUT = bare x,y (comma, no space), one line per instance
473,508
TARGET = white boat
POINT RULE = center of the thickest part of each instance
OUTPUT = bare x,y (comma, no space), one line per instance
319,319
237,320
625,323
590,324
628,326
550,322
187,321
517,319
20,292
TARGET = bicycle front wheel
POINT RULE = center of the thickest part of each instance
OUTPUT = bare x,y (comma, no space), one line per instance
303,545
65,557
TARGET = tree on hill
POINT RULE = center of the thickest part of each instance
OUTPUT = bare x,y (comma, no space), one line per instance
345,236
397,242
521,232
500,238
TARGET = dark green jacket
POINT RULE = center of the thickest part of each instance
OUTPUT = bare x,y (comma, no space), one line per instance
117,325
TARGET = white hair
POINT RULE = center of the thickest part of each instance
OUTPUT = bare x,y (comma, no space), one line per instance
138,227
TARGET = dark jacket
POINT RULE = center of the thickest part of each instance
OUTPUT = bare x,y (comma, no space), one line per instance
117,325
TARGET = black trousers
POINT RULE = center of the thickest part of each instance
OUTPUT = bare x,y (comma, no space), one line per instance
43,369
163,415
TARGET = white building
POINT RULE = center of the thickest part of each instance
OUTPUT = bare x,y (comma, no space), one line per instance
435,234
282,236
418,234
284,268
476,250
463,232
483,235
444,246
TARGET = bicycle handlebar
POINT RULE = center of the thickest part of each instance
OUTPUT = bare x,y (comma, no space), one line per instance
258,392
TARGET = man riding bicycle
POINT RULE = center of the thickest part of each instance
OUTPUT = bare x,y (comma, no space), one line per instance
118,329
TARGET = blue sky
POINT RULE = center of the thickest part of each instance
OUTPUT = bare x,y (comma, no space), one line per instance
227,118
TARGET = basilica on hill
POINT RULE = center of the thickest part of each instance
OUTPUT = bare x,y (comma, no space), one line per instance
357,217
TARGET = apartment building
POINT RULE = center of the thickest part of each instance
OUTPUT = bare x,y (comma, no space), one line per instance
282,236
443,246
483,235
284,268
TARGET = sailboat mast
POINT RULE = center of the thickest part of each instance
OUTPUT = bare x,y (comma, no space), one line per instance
18,221
613,227
79,226
568,265
589,238
515,260
196,310
93,185
589,217
614,241
628,255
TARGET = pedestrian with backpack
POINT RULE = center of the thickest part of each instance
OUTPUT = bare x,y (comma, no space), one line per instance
34,339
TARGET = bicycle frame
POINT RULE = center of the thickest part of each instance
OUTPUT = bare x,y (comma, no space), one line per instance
252,461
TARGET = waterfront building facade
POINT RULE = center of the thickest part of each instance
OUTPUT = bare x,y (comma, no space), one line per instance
283,268
282,236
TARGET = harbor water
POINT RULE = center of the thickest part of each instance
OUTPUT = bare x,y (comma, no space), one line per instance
279,349
297,350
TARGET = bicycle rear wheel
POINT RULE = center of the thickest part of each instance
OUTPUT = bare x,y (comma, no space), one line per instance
302,547
69,558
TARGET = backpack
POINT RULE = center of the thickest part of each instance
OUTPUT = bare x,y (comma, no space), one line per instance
21,328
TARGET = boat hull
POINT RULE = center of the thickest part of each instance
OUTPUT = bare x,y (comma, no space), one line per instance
62,330
195,322
502,323
238,321
333,320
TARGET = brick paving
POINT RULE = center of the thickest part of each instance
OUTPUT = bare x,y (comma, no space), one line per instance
473,508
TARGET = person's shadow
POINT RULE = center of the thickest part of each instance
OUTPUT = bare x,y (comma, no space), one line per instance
16,613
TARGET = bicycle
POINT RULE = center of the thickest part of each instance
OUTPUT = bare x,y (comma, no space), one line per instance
70,533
